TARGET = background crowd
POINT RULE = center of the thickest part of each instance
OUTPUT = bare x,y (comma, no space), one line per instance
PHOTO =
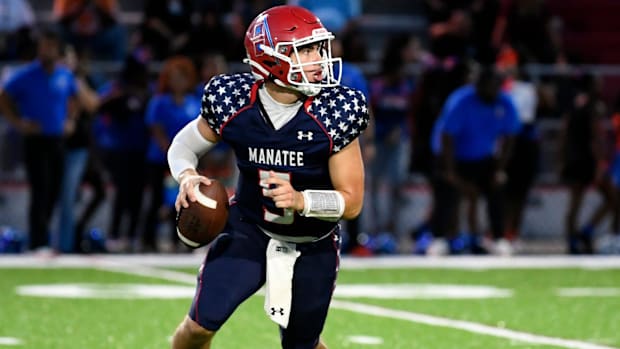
94,90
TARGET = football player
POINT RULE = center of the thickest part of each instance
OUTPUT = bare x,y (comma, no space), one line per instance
294,131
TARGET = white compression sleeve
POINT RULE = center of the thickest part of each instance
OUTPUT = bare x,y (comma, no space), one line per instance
323,204
186,147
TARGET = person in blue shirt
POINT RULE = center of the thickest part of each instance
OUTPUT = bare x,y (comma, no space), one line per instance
472,140
122,136
39,100
168,111
437,81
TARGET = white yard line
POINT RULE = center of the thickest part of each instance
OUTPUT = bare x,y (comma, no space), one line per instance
146,271
464,326
10,341
430,320
389,262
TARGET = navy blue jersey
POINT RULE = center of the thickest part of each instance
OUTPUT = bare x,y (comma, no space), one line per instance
298,152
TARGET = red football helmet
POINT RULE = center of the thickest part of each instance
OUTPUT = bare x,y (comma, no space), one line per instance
276,34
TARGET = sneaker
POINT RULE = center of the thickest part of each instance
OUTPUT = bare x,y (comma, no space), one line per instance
502,247
420,230
360,251
422,242
385,243
460,243
480,245
616,244
117,245
438,247
605,244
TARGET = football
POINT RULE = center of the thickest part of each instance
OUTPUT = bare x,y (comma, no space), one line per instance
202,221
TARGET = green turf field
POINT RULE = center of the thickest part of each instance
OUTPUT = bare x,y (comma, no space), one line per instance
106,303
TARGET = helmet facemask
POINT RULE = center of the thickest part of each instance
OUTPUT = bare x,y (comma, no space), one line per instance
296,77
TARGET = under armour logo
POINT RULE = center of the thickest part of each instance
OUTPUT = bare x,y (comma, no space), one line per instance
301,135
275,311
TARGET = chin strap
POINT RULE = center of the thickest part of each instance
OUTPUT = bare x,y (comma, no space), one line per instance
306,90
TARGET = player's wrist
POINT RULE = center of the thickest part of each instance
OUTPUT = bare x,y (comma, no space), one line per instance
299,202
188,172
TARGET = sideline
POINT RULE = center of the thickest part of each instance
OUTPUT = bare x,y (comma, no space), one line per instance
351,263
464,325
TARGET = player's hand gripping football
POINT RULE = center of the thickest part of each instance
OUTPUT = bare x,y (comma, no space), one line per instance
283,193
188,180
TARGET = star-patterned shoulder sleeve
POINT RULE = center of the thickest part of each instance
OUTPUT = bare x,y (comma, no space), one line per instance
223,96
343,112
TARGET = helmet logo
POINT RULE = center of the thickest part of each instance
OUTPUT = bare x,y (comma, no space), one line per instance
261,35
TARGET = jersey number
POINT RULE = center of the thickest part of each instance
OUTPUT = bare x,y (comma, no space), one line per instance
284,215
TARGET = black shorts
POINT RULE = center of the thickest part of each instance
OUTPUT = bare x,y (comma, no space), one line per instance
523,167
579,171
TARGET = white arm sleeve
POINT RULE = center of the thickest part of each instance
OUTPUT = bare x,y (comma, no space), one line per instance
187,146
